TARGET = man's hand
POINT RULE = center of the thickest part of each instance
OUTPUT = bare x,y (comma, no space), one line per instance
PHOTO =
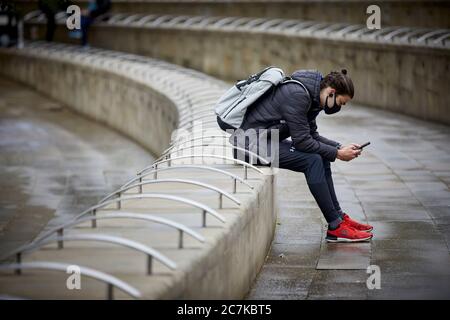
355,145
349,152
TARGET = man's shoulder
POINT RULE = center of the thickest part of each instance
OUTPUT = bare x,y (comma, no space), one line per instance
292,89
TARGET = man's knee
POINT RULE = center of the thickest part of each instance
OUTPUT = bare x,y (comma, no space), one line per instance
326,164
315,160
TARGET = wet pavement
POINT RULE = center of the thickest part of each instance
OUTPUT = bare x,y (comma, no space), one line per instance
400,185
54,163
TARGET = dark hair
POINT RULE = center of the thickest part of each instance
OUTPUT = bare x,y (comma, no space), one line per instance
339,81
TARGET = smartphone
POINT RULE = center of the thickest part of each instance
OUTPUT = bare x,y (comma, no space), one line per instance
364,145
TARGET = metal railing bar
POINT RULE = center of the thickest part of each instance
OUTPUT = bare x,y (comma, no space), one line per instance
440,40
178,140
394,33
125,215
195,167
244,164
205,209
270,23
430,34
132,18
124,242
223,21
176,20
168,180
250,153
238,22
110,280
160,20
145,19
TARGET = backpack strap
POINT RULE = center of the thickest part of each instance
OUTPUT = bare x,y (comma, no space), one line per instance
252,78
290,80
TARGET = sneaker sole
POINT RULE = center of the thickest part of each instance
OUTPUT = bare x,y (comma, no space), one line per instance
337,239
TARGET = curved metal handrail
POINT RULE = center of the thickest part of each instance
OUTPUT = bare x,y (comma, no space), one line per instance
242,163
174,142
183,167
270,23
186,181
205,209
254,23
287,24
131,18
176,20
440,40
125,215
314,28
204,122
332,27
409,35
223,21
376,33
145,19
160,19
180,142
116,18
206,116
431,34
110,280
250,153
238,22
193,20
349,28
191,115
300,26
208,21
357,33
394,33
150,252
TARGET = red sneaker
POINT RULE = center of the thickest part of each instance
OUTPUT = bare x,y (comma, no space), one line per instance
345,233
356,225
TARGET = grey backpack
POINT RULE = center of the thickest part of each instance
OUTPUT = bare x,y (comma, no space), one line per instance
233,104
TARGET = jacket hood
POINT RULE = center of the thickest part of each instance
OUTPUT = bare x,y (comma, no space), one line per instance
311,79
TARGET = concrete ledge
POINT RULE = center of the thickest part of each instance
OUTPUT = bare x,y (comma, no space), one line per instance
143,98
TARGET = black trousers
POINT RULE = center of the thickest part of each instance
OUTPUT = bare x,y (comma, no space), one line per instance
318,175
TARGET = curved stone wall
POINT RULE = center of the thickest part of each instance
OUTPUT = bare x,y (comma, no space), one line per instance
390,70
143,98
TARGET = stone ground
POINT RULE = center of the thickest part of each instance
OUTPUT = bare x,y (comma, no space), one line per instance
400,185
54,163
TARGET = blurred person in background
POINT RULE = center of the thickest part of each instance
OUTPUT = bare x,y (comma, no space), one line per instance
50,8
95,9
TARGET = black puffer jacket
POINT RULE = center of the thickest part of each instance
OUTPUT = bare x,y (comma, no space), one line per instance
288,107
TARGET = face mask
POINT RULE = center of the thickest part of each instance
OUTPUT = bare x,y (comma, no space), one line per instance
333,108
